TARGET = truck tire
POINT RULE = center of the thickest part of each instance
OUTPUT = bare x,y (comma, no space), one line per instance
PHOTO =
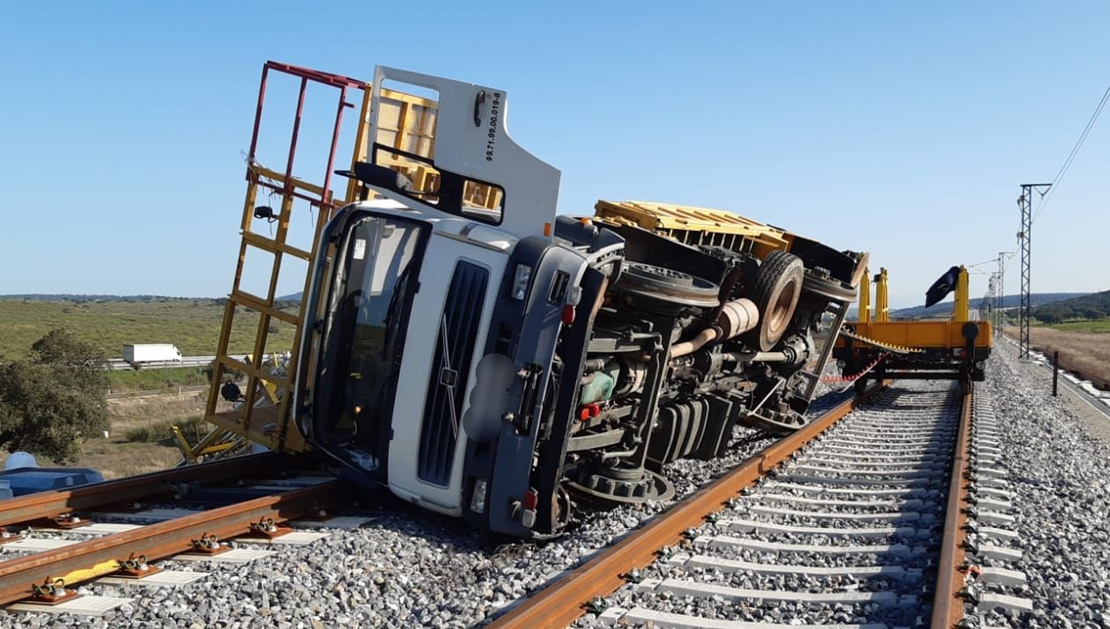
777,287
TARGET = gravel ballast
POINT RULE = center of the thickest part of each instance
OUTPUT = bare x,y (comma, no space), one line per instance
1058,473
408,568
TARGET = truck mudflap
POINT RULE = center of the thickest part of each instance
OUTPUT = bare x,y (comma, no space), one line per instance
526,330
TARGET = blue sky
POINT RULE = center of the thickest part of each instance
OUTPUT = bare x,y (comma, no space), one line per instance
901,128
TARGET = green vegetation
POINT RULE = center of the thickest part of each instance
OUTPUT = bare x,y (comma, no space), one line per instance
53,400
191,324
1100,326
1088,308
154,379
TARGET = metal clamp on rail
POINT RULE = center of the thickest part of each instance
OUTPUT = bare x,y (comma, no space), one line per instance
7,535
51,592
135,568
208,545
268,529
68,521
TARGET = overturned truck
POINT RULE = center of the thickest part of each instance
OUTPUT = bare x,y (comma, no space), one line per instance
485,358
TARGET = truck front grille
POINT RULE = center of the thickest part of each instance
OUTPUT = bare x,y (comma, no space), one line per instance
458,328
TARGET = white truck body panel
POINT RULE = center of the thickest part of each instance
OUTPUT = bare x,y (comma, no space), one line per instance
151,353
444,249
472,140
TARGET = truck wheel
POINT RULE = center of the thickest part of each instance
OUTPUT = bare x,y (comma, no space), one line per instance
777,287
818,282
669,285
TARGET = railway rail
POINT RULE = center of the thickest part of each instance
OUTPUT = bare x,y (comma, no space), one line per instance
860,519
259,506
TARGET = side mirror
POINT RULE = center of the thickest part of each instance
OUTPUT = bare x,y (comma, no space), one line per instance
379,176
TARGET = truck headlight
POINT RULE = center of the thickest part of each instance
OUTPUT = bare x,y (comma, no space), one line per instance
520,281
478,498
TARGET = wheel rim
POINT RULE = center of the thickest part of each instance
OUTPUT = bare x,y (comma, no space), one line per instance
830,289
668,285
782,309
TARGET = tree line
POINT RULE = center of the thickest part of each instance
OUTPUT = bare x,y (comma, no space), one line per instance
1088,307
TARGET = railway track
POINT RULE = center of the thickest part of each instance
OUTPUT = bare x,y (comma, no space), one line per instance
860,520
209,504
841,524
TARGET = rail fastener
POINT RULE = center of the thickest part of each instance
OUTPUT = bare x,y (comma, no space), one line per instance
7,536
51,592
67,521
582,591
208,545
135,568
266,528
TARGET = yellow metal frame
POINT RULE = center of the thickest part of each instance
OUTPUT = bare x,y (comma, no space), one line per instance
692,225
961,309
882,305
407,123
923,335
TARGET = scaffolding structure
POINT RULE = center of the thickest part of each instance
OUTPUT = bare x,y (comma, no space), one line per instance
260,390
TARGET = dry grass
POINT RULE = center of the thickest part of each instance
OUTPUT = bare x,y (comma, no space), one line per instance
126,412
1085,352
141,439
115,458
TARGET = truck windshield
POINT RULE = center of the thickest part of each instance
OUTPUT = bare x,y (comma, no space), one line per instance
375,275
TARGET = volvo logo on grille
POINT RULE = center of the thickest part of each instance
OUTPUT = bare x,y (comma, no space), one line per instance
448,377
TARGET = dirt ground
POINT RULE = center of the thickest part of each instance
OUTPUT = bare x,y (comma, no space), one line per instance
118,456
1089,352
129,413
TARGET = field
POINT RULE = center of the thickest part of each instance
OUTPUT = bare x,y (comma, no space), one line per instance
152,379
1084,345
1101,326
193,325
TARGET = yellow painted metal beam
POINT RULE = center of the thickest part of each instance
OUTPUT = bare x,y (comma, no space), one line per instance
236,422
882,313
256,239
961,310
923,334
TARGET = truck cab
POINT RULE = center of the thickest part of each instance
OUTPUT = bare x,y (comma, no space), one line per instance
484,358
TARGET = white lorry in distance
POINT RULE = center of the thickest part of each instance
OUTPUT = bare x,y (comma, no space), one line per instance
148,353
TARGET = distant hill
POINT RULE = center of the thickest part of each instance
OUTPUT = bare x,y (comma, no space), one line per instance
1092,306
86,298
1010,301
290,297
